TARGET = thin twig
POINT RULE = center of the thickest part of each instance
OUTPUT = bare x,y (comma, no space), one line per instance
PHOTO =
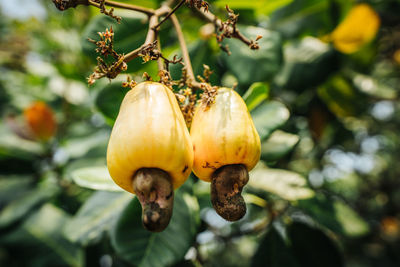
185,53
170,13
148,11
218,23
160,61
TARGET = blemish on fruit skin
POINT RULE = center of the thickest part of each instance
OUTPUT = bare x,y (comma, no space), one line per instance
209,166
184,169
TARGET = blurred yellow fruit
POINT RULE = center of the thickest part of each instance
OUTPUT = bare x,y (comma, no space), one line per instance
396,56
358,28
40,120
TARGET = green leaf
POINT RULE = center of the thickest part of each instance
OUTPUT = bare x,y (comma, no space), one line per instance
312,247
285,184
96,178
278,145
310,16
335,215
109,100
249,65
45,227
268,117
257,93
260,6
134,244
22,206
13,187
273,252
307,63
79,146
96,217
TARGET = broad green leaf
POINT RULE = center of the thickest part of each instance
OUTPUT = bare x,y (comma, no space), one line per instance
273,252
95,217
96,178
22,206
285,184
269,116
79,146
257,93
312,247
136,245
109,100
308,62
260,6
334,215
45,227
12,145
13,187
278,145
249,65
300,16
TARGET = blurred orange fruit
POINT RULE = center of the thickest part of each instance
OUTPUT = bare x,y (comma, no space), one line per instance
40,119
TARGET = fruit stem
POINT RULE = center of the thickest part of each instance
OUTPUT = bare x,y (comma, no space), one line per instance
227,184
155,192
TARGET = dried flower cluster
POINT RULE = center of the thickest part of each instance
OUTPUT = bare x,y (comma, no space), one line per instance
105,47
228,29
198,4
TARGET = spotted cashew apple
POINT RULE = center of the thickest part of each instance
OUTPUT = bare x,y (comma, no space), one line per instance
226,147
150,152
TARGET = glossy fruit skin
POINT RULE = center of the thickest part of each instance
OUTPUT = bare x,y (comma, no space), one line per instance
223,134
150,132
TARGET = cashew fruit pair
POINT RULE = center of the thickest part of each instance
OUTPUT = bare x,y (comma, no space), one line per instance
151,152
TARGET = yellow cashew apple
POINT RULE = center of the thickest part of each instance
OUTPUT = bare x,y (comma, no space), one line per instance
150,151
226,147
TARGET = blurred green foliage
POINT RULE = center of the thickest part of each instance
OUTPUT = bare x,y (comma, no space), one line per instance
326,193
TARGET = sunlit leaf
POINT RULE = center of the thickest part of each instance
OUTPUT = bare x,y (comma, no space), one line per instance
96,216
269,116
285,184
261,6
257,93
96,178
278,145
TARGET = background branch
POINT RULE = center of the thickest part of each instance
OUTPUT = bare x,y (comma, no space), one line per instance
185,53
